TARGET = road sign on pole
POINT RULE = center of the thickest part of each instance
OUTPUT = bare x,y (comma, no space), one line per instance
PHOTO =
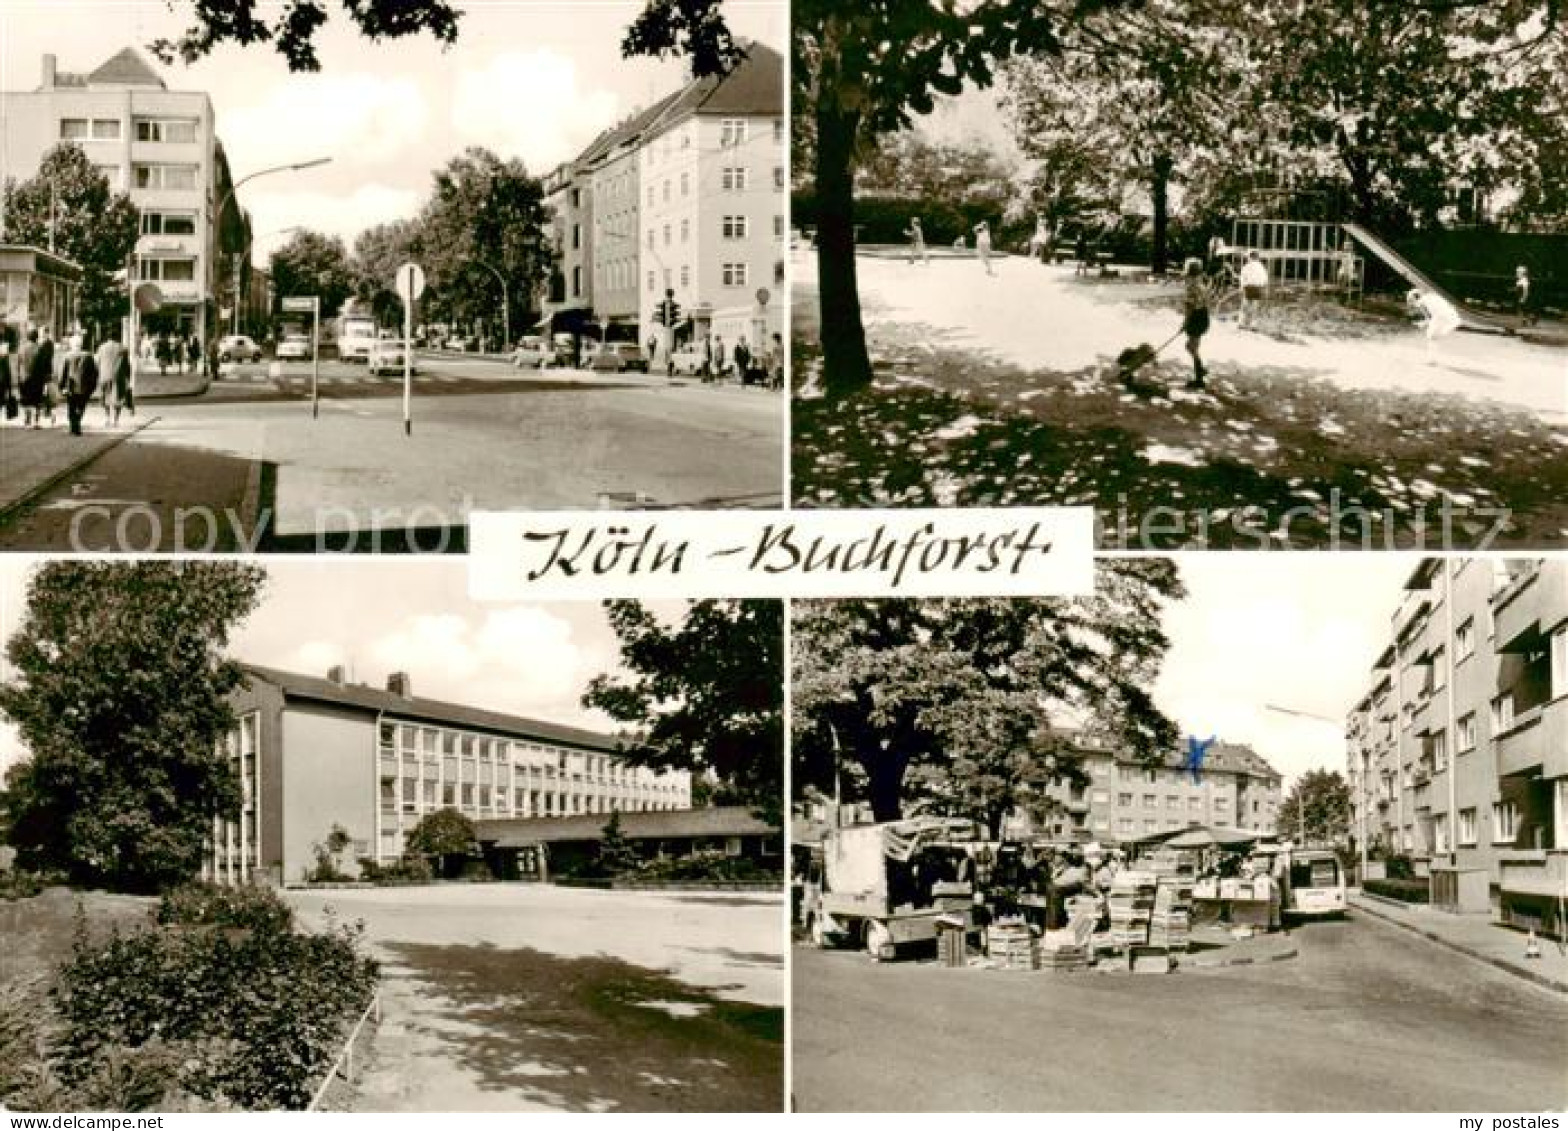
410,285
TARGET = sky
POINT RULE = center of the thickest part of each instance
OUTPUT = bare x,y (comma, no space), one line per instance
411,614
1298,631
532,79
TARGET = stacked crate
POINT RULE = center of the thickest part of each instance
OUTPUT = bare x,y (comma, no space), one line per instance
1131,906
1170,923
1011,945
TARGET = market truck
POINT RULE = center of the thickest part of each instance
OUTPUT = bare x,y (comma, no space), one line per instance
1314,884
886,886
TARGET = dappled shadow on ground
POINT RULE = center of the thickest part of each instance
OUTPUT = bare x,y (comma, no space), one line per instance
1264,458
595,1033
762,958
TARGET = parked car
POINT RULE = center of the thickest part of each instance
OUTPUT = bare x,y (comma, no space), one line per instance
238,347
388,355
617,357
533,351
294,347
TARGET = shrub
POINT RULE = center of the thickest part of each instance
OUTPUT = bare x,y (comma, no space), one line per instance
17,884
705,866
211,905
1404,890
250,1019
1399,868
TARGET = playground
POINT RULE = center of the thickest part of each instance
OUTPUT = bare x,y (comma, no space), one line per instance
1332,422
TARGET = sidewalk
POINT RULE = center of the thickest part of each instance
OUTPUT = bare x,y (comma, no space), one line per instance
154,385
34,459
1475,935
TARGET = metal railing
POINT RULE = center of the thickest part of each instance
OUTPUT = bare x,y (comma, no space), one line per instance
345,1058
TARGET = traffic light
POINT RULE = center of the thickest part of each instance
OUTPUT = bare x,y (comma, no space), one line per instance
671,312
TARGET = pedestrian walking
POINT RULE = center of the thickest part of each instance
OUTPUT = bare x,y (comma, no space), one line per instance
1040,242
776,362
49,378
78,382
29,386
164,352
983,245
9,402
718,357
114,379
1081,253
743,360
707,358
1254,287
1522,295
917,241
1195,318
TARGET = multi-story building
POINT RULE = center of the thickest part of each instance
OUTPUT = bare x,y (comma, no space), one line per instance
316,753
686,195
1458,753
712,173
159,146
1124,800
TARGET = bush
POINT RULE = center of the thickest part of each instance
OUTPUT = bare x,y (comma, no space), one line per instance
212,905
704,866
251,1019
1399,868
1404,890
408,870
16,884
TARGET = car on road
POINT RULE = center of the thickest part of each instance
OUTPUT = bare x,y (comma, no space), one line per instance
388,355
533,351
294,347
617,357
238,347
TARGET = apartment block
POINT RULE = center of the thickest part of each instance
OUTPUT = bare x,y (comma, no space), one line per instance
1125,800
154,143
686,195
1458,751
313,753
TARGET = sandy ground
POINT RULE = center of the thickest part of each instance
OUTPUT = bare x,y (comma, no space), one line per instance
1037,316
536,998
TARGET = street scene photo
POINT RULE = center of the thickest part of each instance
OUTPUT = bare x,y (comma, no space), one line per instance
1237,276
1236,833
280,286
325,835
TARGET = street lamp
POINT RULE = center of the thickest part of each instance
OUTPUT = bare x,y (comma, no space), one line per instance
506,306
224,205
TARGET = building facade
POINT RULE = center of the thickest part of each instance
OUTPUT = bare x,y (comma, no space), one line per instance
314,753
1458,751
1124,800
36,289
156,144
686,195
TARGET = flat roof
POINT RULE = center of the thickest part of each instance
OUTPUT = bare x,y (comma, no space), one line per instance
376,700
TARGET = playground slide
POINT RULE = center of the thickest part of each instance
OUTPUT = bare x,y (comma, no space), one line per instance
1468,319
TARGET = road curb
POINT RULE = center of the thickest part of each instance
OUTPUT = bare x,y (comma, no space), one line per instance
43,486
1544,981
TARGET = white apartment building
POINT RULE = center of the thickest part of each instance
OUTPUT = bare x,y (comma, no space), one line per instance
712,173
156,144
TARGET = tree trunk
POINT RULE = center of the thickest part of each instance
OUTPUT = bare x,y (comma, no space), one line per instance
886,784
846,366
1159,192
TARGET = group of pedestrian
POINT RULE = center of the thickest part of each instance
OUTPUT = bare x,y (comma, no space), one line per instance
917,252
180,352
751,366
36,376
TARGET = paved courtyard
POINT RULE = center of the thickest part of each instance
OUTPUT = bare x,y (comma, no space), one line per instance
509,997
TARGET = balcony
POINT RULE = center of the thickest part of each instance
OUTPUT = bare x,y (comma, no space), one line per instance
1535,742
1542,873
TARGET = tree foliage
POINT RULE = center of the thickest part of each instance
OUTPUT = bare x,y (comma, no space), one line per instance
121,699
485,216
1316,810
68,205
314,264
965,703
446,832
704,695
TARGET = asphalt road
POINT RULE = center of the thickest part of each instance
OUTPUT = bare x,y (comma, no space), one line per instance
484,436
1368,1018
512,997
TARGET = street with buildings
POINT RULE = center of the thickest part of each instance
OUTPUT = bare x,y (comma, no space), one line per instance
663,236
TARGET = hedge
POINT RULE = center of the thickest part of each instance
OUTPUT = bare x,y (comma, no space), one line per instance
1405,891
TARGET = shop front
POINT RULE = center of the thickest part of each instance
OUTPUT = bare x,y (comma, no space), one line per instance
37,289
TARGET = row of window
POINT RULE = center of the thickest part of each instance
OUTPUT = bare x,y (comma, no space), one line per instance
479,800
1505,826
1152,801
732,178
175,130
730,228
1102,769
